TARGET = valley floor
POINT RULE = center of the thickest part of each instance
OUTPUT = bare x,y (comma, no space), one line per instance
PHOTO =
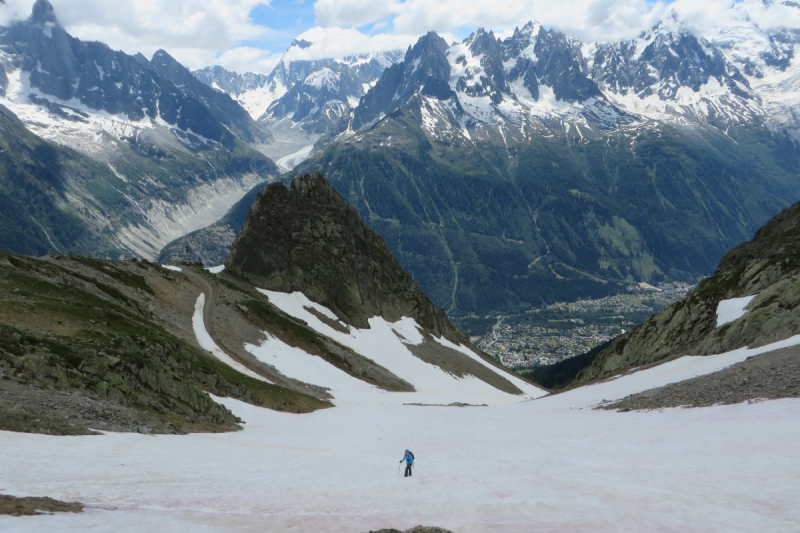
550,464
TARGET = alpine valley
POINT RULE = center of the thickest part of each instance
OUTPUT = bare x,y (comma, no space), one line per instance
510,172
358,211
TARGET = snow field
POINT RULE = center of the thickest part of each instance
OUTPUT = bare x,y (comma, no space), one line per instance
295,363
173,268
549,464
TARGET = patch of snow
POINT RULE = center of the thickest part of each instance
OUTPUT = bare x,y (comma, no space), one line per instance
732,310
257,101
207,343
173,268
117,174
297,364
216,269
324,77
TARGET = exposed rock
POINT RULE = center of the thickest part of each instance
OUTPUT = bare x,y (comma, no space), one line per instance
418,529
10,505
309,239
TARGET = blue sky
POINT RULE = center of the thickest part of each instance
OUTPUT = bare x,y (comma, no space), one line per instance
286,20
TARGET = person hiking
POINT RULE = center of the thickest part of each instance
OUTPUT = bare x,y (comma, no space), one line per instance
409,459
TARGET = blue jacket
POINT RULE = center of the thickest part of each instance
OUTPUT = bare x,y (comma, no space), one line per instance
408,458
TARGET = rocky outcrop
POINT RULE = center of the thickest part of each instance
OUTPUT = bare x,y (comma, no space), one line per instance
309,239
767,267
30,506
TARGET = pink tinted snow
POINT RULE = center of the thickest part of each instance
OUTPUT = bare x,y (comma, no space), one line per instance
548,464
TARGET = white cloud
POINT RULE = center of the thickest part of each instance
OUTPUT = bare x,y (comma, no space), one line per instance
354,12
342,42
588,20
194,31
248,59
206,32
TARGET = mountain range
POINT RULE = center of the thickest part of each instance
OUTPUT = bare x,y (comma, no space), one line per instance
501,172
509,172
301,100
139,152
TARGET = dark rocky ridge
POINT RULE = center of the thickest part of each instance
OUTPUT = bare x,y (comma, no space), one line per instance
309,239
424,70
768,266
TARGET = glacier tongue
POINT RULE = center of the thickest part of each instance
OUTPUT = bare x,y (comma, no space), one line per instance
167,221
99,134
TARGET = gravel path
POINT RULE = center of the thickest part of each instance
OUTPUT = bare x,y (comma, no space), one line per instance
772,375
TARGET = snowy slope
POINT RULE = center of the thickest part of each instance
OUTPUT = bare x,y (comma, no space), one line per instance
735,73
549,464
386,344
301,99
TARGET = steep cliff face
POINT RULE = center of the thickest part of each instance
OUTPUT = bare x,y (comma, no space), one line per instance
766,268
309,239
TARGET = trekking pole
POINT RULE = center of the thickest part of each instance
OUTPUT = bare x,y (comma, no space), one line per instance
399,466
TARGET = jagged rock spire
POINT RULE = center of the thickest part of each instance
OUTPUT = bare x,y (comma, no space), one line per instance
307,238
43,12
